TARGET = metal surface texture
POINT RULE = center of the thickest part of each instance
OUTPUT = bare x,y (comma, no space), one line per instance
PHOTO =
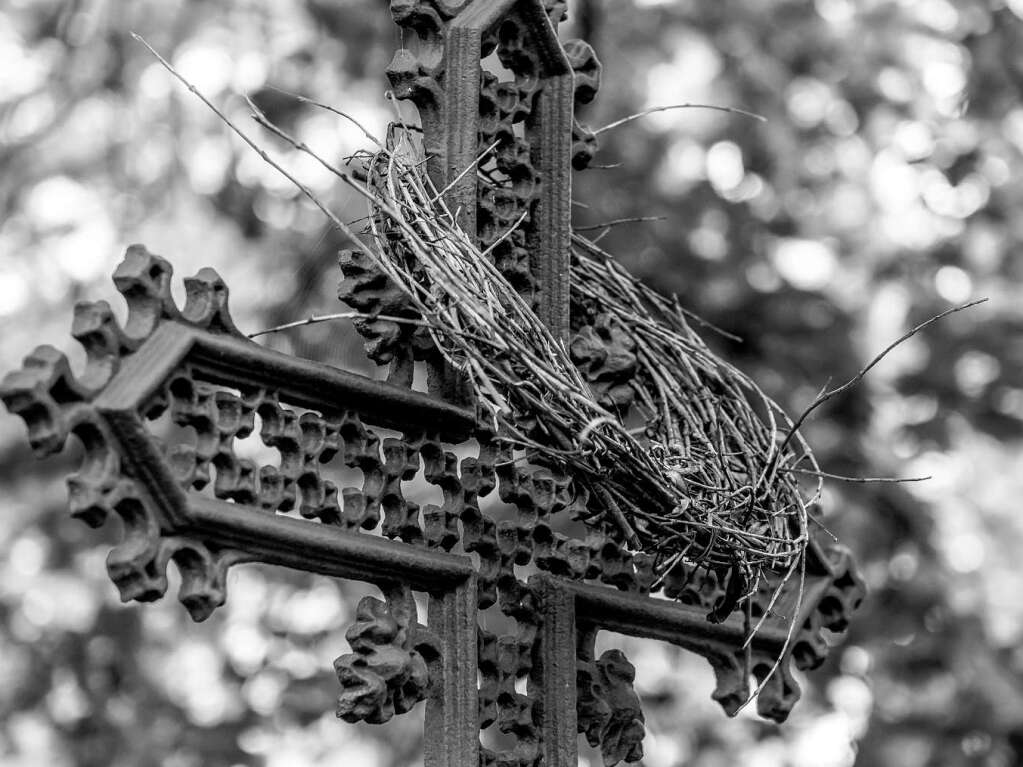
166,398
525,120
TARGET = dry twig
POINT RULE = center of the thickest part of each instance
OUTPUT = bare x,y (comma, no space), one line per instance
668,107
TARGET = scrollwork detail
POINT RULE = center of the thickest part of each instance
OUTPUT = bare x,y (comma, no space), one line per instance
387,672
608,709
586,70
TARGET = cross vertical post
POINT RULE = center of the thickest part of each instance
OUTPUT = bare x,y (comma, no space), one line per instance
556,675
522,128
451,711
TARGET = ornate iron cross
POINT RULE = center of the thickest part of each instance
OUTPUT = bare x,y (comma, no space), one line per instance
188,497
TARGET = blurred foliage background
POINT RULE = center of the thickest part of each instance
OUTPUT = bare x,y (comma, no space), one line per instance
880,191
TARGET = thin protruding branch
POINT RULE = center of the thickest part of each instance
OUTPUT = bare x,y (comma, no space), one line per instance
316,319
345,176
668,107
334,110
864,480
829,394
508,233
451,184
309,194
618,222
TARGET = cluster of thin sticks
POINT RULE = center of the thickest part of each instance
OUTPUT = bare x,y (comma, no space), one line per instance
717,435
703,486
712,480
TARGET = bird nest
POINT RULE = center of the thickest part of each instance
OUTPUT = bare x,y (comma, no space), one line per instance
708,477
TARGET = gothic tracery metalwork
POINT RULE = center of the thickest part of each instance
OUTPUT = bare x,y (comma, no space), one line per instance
166,398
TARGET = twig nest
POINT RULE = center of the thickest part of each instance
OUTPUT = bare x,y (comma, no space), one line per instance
700,483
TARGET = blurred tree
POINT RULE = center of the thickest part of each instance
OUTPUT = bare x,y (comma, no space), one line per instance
879,192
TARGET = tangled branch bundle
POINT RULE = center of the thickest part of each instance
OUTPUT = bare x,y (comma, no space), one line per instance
708,480
715,438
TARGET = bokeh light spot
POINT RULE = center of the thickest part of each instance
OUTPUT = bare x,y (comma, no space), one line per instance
953,284
805,264
725,167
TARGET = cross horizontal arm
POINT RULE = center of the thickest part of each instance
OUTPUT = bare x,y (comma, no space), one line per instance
323,549
312,384
671,621
234,360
